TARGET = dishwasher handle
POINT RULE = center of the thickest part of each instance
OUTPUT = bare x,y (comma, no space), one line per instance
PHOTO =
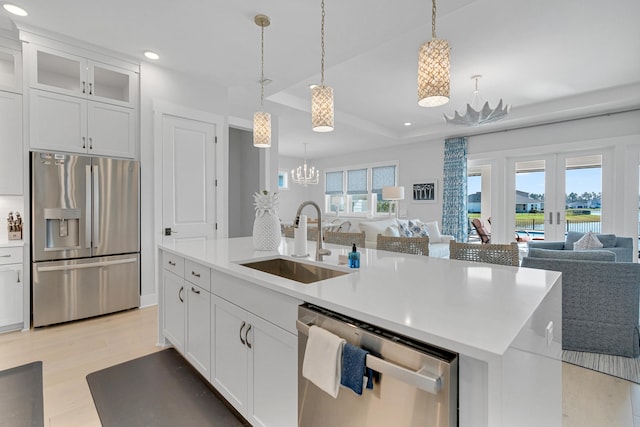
419,379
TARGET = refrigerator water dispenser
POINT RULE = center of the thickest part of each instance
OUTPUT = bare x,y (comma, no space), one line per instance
62,229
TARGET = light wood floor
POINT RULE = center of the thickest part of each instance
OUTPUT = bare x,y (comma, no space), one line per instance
70,352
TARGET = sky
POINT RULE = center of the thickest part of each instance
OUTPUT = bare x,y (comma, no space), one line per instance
577,181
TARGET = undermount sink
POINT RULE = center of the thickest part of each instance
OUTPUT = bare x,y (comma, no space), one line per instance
294,270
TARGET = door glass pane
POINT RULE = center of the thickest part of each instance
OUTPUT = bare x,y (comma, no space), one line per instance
57,71
110,84
529,206
583,191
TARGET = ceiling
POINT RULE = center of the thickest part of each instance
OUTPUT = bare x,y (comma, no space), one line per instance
549,59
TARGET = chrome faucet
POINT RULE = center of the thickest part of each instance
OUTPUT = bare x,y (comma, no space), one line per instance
320,252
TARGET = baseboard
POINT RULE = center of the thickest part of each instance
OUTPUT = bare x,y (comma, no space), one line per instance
148,300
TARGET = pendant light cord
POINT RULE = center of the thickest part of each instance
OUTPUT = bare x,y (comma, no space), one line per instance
433,20
322,45
262,67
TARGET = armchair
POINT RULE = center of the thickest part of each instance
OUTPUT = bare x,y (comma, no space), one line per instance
600,304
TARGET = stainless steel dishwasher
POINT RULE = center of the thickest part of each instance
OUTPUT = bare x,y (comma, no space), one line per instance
417,385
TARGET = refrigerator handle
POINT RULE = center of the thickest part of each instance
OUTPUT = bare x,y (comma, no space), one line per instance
96,207
87,213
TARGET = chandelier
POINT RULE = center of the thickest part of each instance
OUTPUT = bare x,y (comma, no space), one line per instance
262,119
476,113
433,69
322,96
305,175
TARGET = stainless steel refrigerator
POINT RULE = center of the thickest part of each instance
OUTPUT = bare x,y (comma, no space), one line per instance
85,239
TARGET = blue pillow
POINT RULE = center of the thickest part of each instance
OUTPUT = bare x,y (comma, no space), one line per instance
405,231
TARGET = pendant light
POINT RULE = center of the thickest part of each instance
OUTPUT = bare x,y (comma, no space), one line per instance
433,69
262,119
477,113
305,175
322,96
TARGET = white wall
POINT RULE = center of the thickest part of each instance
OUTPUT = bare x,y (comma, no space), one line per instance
244,181
158,84
290,199
416,162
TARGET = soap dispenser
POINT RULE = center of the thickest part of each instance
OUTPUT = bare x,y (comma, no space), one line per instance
354,257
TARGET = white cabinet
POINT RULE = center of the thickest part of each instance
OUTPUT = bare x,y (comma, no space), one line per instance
255,365
186,310
174,309
66,123
10,70
11,161
11,288
74,75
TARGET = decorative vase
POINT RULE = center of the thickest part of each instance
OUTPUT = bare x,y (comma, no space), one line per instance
266,226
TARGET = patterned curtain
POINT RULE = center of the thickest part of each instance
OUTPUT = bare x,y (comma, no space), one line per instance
454,198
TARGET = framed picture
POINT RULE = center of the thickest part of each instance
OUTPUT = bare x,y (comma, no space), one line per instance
424,191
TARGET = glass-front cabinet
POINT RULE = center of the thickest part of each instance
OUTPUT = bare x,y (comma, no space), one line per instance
74,75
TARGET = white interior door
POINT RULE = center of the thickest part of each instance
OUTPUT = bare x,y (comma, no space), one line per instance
188,179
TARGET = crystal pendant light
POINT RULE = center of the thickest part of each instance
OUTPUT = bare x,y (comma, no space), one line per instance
262,119
322,96
433,69
477,113
305,175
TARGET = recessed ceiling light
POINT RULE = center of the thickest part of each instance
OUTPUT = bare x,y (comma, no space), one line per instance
11,8
152,55
407,123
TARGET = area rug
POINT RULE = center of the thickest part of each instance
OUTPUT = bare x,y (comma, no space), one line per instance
161,389
21,402
627,368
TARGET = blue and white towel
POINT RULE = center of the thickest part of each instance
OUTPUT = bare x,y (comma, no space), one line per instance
354,368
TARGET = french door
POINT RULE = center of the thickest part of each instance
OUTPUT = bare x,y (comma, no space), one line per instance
558,192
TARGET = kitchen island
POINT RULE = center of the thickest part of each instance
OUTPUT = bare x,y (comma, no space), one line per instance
505,322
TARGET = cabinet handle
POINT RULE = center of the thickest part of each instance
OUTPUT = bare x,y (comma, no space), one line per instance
558,218
84,87
90,143
194,290
5,256
90,88
180,293
84,142
171,263
193,273
241,328
551,218
246,336
18,276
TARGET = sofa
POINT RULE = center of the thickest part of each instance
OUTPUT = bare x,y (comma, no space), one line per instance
438,243
600,304
621,246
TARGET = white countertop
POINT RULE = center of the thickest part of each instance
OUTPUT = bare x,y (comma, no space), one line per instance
472,308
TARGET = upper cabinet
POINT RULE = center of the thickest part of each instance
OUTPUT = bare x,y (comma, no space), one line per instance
69,74
11,160
10,70
79,100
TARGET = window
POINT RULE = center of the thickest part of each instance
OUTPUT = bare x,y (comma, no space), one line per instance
357,190
283,180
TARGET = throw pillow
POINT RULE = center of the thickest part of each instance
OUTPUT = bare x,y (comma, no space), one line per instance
418,229
391,231
405,230
588,241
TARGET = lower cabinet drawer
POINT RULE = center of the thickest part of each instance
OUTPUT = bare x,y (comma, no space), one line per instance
173,263
11,255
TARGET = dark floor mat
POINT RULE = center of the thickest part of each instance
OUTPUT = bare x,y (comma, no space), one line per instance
160,389
21,396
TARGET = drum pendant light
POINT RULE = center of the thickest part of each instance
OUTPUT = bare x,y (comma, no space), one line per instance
433,69
262,119
322,96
